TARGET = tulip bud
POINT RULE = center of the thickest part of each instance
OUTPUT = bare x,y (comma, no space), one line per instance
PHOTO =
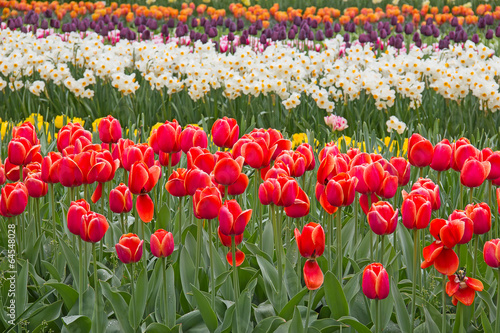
480,215
225,132
110,130
169,137
129,248
491,253
420,151
474,172
192,136
13,199
233,219
227,170
416,210
375,282
341,189
403,169
382,218
176,183
76,211
313,276
311,242
93,227
162,243
120,199
207,203
441,160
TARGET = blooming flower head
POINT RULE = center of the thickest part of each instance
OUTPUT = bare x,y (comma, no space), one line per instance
462,288
395,124
336,123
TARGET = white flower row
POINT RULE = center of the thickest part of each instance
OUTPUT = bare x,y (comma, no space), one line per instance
331,75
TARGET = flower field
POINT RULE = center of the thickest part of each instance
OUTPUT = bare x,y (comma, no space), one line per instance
249,169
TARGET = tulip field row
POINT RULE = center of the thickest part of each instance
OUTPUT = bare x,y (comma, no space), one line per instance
229,230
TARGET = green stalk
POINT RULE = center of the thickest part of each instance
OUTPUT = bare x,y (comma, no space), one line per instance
132,287
443,296
309,305
169,172
96,288
53,218
497,321
490,185
179,221
421,172
339,245
369,198
235,280
199,235
329,241
459,317
474,263
212,273
470,195
414,282
80,282
144,255
124,230
356,204
165,292
381,253
460,198
279,254
377,320
255,203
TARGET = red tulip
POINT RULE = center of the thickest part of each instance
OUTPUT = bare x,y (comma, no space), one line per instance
329,149
196,179
416,210
227,170
491,253
77,209
142,179
462,150
200,158
313,276
427,188
69,173
37,188
480,215
120,199
73,135
341,189
382,218
129,248
300,206
257,153
233,219
93,227
440,253
468,225
296,162
269,191
311,242
307,150
360,159
168,136
173,158
110,130
363,201
277,142
13,199
403,169
388,186
420,151
442,159
2,174
239,186
162,243
225,132
21,152
289,191
462,288
137,153
176,183
207,203
119,148
26,131
240,257
226,240
193,136
494,158
49,167
375,281
474,172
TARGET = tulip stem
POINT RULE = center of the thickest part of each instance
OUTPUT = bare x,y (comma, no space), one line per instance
329,239
339,245
236,282
144,259
474,263
459,317
497,321
165,292
309,306
381,253
96,290
470,195
212,273
443,297
414,285
490,233
377,320
369,198
124,230
280,258
255,200
132,287
53,218
356,204
80,282
461,205
179,221
199,235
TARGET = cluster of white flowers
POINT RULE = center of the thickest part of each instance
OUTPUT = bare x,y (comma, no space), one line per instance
395,124
330,75
336,123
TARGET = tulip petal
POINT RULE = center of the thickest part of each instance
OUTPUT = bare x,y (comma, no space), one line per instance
447,262
313,276
145,207
97,193
242,221
240,257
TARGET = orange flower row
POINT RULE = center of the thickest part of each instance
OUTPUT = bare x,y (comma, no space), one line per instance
465,14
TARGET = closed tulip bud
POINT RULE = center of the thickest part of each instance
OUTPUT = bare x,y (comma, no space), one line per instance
162,243
21,152
341,189
462,150
239,186
49,168
269,191
474,172
403,169
137,153
13,199
196,179
491,253
129,248
289,191
227,170
26,130
93,227
169,137
72,135
442,158
201,159
257,154
37,188
416,210
295,162
311,242
420,151
382,218
233,219
225,132
494,158
480,215
375,282
300,206
69,173
207,203
76,211
110,130
193,136
313,276
374,176
120,199
388,187
306,150
176,183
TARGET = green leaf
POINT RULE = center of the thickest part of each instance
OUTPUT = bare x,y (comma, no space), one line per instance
289,308
170,284
406,242
72,261
76,324
228,320
244,310
354,323
119,305
52,270
187,271
136,312
46,313
68,294
486,323
335,297
190,320
430,325
401,311
22,288
268,325
296,326
207,313
157,328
